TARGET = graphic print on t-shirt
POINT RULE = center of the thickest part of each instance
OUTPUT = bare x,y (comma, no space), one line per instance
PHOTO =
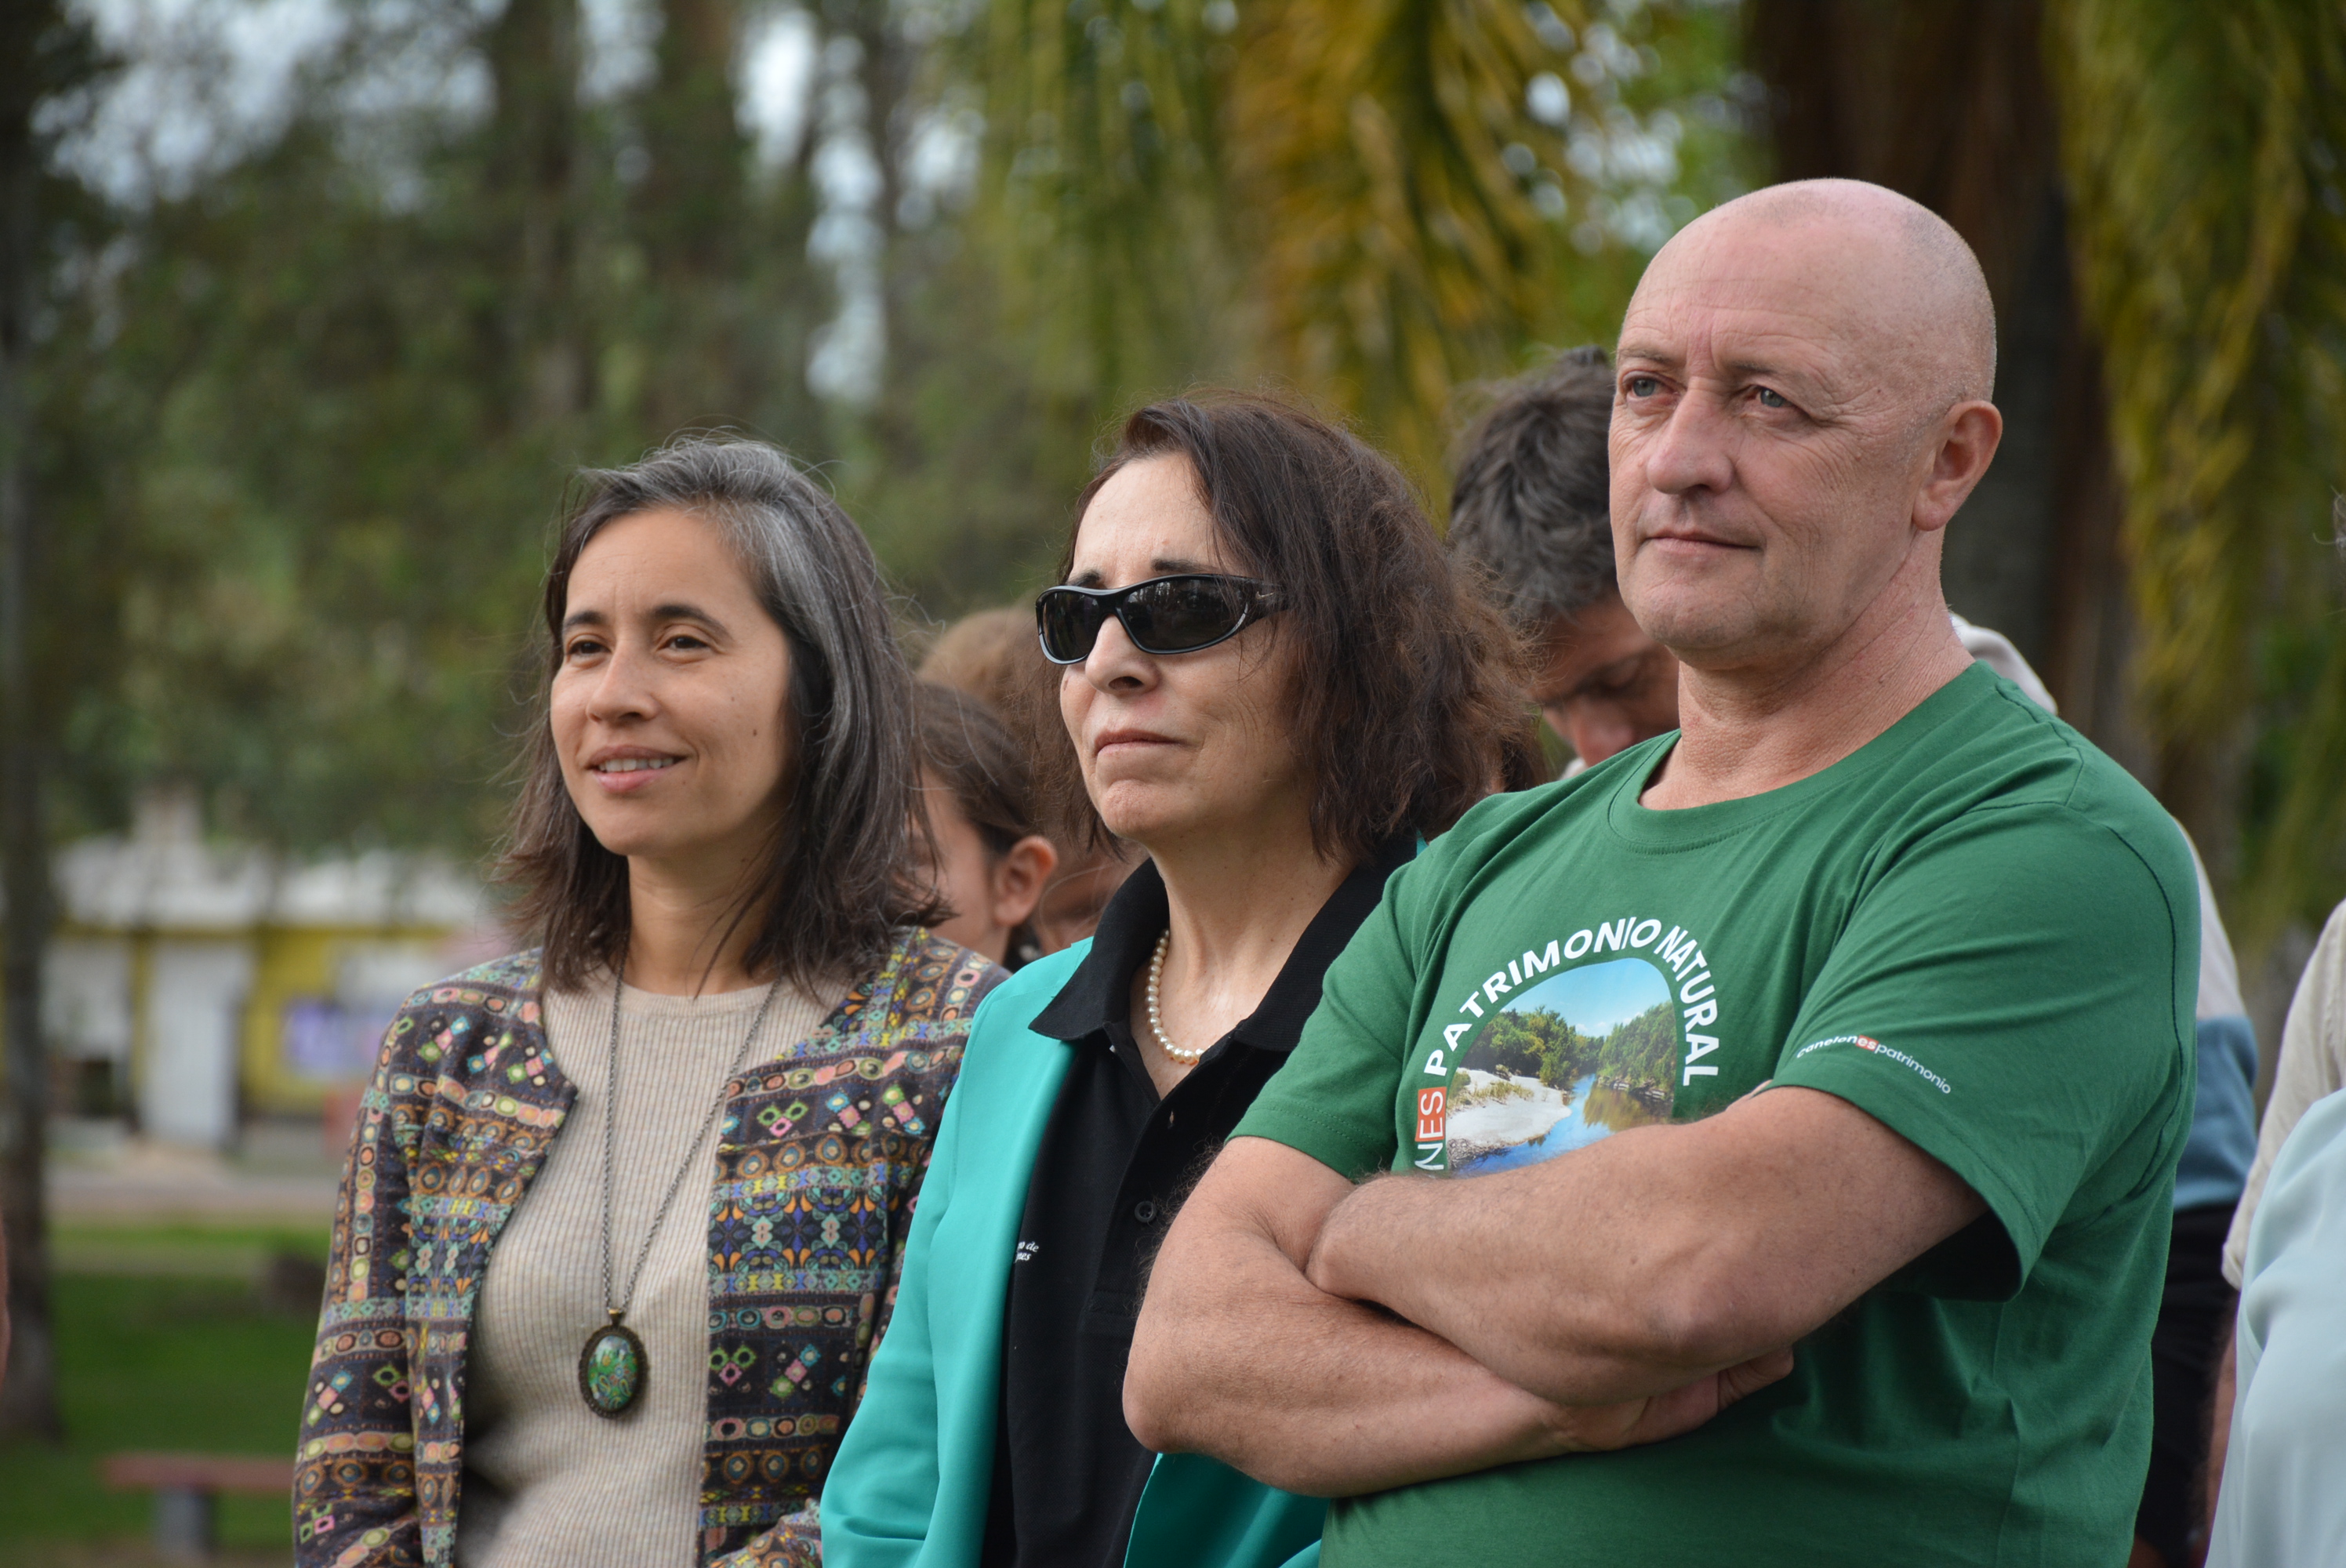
1576,1038
1563,1063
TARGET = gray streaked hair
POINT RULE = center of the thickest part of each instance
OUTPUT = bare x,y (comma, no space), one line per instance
1531,507
842,879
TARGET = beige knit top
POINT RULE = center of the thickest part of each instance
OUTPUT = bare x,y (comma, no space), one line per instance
548,1482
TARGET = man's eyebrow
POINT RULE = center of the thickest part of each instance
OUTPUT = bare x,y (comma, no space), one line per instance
1634,349
1764,370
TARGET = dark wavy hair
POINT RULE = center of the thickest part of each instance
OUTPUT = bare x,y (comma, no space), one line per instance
1532,504
1405,705
843,878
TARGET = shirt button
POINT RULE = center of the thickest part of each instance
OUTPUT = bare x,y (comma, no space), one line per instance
1145,1212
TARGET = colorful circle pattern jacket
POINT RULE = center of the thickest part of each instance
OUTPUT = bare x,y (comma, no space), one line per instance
819,1161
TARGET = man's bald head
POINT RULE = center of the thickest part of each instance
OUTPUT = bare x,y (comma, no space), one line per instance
1800,408
1902,277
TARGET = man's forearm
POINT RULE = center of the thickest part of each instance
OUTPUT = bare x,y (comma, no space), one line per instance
1661,1254
1239,1357
1567,1320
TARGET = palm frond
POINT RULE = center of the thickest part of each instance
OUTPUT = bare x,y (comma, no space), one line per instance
1372,200
1401,255
2202,148
1105,174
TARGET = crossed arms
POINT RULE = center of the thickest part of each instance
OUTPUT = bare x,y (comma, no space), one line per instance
1334,1339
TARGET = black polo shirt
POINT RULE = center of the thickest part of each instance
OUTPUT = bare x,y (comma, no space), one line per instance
1115,1162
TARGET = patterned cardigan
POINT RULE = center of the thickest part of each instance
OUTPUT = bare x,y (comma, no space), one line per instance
821,1154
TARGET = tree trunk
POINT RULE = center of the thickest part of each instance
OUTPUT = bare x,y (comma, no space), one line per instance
28,1399
1947,102
688,216
534,237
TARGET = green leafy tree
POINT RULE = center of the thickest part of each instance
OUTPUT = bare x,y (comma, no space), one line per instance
1564,1053
1642,1051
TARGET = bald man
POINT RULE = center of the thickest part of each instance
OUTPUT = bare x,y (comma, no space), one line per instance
1817,1074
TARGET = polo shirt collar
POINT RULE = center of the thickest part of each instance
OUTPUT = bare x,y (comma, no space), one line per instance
1100,990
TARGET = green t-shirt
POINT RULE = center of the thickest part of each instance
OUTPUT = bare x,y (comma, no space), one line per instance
1976,929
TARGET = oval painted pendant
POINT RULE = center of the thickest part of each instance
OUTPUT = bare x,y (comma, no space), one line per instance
611,1370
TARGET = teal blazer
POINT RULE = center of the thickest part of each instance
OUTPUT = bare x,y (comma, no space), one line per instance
913,1475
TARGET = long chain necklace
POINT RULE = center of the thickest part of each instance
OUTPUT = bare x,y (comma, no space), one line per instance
613,1367
1156,1011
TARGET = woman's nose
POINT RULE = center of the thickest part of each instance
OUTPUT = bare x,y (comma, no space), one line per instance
622,689
1114,664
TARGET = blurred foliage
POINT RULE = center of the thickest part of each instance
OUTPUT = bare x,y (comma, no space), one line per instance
1402,254
1373,203
319,518
2203,149
306,426
308,415
1106,188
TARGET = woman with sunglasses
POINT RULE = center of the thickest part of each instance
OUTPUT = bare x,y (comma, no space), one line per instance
1277,688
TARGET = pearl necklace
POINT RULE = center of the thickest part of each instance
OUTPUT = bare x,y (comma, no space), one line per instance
1157,1013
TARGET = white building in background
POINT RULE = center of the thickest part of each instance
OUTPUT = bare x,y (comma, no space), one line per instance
191,984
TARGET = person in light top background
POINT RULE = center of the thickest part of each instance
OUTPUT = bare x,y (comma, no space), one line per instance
2277,1466
1530,510
2283,1498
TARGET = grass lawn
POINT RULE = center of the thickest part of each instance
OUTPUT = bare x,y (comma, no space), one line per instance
163,1342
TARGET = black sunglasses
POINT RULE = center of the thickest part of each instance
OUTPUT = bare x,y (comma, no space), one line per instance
1162,616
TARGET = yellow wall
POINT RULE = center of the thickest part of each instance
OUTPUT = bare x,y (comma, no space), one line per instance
289,964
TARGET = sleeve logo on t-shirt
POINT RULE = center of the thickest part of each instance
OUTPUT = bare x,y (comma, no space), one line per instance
1565,1045
1868,1043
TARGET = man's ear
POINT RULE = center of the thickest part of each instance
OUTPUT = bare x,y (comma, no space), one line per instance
1019,876
1968,438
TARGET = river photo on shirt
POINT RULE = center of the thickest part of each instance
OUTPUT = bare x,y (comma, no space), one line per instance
1563,1063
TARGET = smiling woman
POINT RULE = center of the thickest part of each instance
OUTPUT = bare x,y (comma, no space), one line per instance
536,1349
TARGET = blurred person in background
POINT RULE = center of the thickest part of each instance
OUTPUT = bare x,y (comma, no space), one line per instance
991,654
624,1213
1530,509
988,654
1275,685
2281,1401
978,799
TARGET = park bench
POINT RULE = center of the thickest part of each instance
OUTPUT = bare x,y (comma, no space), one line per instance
187,1488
